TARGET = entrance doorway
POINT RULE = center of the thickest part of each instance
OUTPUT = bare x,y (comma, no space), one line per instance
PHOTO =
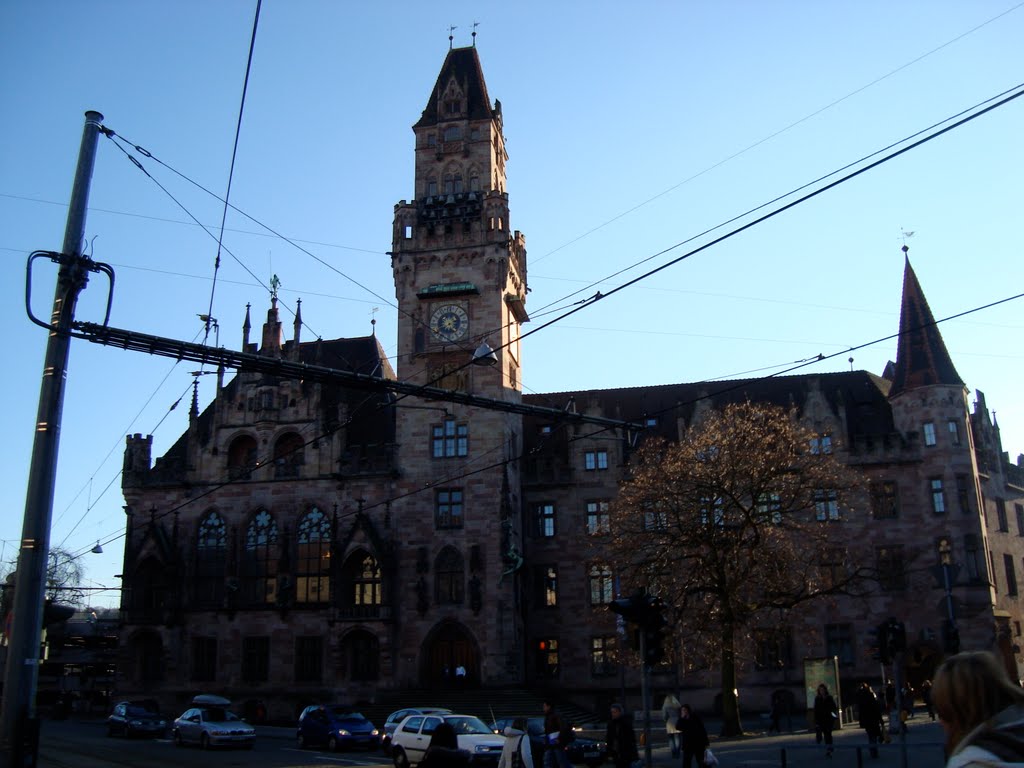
449,647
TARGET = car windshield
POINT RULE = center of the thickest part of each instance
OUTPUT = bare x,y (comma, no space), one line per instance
218,715
466,724
133,711
341,713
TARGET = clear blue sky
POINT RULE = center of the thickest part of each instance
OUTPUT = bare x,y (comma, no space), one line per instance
631,127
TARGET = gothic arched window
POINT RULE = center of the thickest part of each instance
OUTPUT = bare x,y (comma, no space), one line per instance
450,577
241,457
289,455
259,565
211,556
313,558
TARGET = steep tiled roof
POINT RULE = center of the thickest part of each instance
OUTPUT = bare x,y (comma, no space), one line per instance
464,65
921,356
862,394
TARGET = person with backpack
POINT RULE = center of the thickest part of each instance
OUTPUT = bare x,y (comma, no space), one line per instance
517,752
981,711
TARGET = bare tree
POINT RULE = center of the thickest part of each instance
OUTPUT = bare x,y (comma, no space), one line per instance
732,524
64,576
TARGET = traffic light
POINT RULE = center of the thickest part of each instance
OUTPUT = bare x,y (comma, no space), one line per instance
896,636
647,612
654,634
878,643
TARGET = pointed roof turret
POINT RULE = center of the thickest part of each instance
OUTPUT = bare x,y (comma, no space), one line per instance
246,327
467,98
921,356
297,325
271,330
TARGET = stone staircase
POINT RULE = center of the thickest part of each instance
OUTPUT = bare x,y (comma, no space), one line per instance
487,704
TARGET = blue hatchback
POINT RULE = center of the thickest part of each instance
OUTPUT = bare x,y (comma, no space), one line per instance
336,727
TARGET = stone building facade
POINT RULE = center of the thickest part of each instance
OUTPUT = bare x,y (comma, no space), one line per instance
304,541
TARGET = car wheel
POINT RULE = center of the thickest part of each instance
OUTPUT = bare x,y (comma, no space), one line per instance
399,758
204,742
177,738
333,744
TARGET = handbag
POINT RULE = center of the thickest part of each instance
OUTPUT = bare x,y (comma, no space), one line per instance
709,758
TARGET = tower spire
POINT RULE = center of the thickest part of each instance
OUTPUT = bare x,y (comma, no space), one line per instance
246,327
921,356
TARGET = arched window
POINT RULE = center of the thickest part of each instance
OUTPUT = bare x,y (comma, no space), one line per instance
259,565
211,556
289,455
241,457
313,558
450,575
149,589
366,584
360,654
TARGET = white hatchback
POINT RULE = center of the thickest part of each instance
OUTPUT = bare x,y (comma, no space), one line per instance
412,737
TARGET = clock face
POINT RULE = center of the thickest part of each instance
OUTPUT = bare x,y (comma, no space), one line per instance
449,322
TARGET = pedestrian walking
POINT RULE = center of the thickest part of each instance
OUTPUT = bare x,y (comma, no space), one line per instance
694,736
620,738
869,714
981,711
670,714
825,715
926,699
557,735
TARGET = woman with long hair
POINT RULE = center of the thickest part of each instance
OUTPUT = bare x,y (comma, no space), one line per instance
825,714
981,710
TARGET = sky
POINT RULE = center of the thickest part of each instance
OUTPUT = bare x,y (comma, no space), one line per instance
632,128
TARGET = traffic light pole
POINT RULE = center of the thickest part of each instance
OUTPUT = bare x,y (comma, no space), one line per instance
19,724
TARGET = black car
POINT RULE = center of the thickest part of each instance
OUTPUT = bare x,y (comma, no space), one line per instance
135,718
581,750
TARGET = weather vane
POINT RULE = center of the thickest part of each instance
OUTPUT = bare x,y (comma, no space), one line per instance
475,25
451,36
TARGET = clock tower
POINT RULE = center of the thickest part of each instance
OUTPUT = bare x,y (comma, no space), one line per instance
460,281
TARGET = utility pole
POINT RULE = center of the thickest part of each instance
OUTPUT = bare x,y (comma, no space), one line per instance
19,723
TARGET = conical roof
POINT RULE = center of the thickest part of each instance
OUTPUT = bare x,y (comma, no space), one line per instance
463,64
921,356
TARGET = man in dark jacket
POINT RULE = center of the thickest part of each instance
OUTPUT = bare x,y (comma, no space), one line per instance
694,736
621,739
869,713
557,735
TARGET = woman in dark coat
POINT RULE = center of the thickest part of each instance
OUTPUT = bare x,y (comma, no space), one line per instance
825,714
693,735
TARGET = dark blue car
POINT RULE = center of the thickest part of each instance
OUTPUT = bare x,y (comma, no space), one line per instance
336,727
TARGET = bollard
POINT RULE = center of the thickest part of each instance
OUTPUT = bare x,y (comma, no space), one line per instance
782,757
860,758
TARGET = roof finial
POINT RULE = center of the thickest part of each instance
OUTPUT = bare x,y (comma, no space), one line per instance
451,36
373,321
475,25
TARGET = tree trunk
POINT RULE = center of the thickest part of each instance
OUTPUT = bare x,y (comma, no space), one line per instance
731,724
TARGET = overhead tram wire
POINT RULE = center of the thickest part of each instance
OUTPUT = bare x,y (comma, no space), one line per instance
779,132
971,113
799,189
597,431
231,171
999,100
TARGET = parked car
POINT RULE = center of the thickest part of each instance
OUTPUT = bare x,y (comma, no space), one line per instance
412,737
335,727
135,718
581,750
398,716
209,723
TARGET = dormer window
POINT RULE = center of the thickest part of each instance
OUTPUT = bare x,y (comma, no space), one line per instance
453,106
